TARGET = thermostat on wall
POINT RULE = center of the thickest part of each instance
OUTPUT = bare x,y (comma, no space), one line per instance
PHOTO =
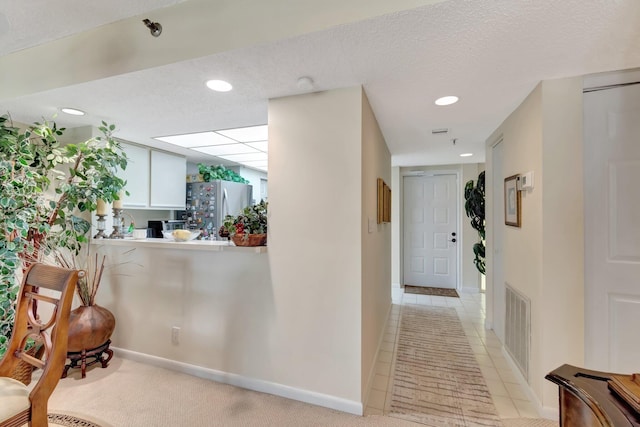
526,181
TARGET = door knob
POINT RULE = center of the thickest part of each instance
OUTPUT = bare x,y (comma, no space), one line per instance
453,233
453,240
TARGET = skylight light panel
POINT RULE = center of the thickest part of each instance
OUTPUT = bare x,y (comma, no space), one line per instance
228,149
246,157
201,139
247,134
260,145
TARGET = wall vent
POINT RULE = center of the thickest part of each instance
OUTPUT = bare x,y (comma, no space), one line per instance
518,328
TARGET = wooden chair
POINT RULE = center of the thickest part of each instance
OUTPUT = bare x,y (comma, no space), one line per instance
17,405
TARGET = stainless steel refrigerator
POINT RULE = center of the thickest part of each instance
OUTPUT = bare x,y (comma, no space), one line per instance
209,202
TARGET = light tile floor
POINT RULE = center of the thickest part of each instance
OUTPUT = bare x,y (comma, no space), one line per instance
508,395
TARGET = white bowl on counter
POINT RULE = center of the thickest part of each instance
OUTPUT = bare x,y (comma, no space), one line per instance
181,235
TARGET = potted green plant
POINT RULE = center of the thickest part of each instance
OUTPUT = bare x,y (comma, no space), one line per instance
249,228
474,207
211,173
44,190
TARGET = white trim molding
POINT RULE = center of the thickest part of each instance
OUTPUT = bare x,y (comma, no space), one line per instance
307,396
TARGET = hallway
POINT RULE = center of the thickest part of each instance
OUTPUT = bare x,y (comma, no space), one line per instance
509,397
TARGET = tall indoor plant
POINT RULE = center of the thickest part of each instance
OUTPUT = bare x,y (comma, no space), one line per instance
474,206
44,189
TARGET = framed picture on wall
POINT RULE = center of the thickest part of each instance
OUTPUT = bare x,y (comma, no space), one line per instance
384,202
380,200
386,212
511,201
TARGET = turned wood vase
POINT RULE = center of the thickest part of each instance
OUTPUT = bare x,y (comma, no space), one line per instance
89,327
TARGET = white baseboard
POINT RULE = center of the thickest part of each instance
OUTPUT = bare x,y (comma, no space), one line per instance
255,384
544,411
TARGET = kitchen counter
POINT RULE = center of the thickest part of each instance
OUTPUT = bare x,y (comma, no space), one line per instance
192,245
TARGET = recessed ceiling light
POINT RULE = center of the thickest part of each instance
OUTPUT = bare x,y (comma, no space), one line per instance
72,111
447,100
219,85
466,154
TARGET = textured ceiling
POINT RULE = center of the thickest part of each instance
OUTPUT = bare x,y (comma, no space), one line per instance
489,53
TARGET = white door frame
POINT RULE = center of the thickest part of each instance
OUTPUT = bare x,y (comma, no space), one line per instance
459,234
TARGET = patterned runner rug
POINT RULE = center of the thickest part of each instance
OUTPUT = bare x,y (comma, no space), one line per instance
437,380
426,290
69,421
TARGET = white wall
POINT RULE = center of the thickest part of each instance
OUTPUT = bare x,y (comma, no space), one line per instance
563,229
303,321
543,258
315,242
376,244
254,177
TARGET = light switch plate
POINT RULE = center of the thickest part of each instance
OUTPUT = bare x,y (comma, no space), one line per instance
372,225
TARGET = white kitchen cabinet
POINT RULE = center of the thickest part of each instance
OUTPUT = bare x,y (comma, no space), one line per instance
137,175
168,180
155,179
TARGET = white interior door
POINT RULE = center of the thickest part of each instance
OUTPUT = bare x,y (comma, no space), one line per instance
430,230
612,230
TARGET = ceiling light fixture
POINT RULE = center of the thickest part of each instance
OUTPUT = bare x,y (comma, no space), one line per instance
154,27
446,100
466,154
73,111
219,85
305,83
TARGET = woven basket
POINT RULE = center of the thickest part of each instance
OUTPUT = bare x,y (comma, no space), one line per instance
250,239
23,370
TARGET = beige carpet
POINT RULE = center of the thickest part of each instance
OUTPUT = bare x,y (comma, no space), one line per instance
437,380
131,394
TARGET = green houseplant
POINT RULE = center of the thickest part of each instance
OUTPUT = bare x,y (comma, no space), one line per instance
474,206
211,173
44,189
249,228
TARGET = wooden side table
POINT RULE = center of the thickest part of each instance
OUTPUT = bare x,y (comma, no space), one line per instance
81,357
586,401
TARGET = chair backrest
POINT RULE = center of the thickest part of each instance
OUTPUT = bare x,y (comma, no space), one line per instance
52,333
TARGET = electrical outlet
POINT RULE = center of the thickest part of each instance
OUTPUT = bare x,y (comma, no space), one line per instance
175,335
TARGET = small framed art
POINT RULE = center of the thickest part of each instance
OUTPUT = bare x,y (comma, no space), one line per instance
512,201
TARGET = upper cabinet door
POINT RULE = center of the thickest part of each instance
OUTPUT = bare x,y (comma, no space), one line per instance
168,180
137,176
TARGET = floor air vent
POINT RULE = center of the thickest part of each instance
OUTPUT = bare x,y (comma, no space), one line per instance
518,329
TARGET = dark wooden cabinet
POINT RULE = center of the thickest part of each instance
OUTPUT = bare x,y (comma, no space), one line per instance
586,401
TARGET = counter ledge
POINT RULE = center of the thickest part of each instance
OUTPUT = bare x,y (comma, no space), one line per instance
193,245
